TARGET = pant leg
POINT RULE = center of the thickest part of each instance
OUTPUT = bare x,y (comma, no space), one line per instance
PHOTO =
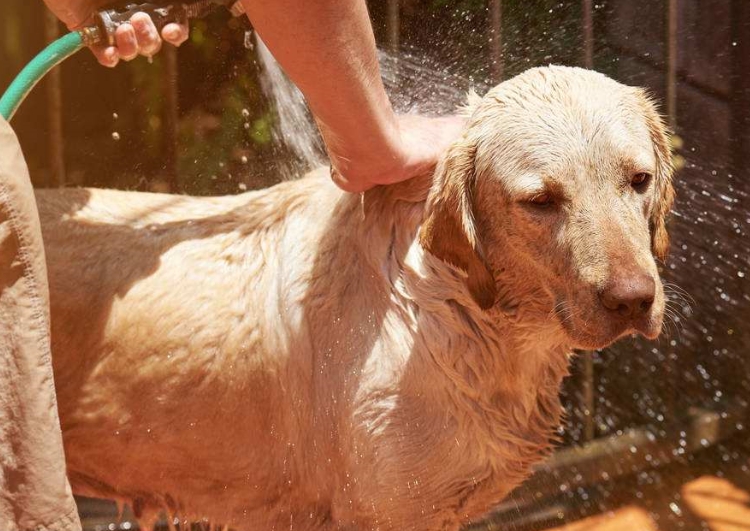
34,490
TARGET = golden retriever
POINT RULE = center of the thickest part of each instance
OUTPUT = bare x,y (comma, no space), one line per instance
302,358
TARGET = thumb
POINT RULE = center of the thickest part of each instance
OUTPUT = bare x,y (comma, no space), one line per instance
347,185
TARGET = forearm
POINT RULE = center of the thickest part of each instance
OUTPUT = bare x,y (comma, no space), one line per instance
328,49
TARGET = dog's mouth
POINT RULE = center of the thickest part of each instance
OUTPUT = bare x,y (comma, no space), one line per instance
595,329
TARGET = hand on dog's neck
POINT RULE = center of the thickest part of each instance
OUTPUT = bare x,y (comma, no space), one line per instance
395,213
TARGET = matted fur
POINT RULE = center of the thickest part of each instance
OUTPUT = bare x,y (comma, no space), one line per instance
293,358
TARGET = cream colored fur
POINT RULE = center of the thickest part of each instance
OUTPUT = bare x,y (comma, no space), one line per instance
294,358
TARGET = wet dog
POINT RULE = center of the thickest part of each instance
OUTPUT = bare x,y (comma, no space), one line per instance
304,358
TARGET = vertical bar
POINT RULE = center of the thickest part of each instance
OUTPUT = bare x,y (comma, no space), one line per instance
671,63
53,87
393,21
740,127
587,390
588,384
170,117
496,40
588,34
740,96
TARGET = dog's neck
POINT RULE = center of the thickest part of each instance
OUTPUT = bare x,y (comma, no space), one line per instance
507,361
522,311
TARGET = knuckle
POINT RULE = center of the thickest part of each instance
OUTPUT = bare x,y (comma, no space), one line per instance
140,17
124,30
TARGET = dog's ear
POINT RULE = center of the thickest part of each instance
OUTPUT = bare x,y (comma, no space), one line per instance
664,191
449,231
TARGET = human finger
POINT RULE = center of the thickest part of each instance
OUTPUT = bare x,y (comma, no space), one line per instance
146,34
175,34
127,42
107,56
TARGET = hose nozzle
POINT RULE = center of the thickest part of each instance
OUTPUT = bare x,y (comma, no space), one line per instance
161,12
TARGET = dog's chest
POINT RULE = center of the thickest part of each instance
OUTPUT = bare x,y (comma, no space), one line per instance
449,463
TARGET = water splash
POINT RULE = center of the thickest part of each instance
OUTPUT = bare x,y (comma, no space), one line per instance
415,84
294,128
418,84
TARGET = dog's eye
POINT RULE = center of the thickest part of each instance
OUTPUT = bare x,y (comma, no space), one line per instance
541,200
640,180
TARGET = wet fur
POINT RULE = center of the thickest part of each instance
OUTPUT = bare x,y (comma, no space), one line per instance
295,358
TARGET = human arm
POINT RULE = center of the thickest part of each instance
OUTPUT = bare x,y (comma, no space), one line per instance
327,48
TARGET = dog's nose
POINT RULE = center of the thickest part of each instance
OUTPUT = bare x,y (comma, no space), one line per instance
629,295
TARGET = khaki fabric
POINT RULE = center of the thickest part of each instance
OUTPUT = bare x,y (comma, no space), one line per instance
34,490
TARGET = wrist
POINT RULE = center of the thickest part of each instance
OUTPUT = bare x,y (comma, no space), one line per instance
368,157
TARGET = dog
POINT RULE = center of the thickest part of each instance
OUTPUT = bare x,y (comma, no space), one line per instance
303,358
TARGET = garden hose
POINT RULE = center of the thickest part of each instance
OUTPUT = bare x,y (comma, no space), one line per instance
162,12
50,57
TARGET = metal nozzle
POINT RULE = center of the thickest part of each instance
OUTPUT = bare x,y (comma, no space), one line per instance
162,12
91,35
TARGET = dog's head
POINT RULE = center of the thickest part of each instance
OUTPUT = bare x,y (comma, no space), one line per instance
562,183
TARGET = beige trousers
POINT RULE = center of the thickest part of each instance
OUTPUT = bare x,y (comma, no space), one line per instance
34,490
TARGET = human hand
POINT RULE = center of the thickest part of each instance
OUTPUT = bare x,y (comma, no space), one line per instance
418,143
140,37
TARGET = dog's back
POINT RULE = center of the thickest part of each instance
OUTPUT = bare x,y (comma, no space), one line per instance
172,322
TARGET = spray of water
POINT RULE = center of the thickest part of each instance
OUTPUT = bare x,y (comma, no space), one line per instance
414,82
418,84
295,127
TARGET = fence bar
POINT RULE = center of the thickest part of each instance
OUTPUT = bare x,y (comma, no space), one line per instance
671,63
588,33
496,40
170,117
587,390
53,87
588,396
740,98
393,21
740,106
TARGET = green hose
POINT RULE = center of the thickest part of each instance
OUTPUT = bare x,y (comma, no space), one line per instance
50,57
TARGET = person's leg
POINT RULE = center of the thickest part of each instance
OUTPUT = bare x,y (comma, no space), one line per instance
34,490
